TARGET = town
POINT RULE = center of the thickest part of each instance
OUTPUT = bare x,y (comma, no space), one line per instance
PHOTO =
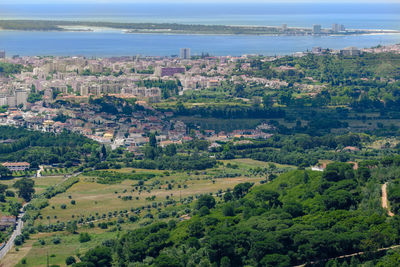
32,97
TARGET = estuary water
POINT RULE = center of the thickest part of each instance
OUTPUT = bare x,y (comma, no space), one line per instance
105,42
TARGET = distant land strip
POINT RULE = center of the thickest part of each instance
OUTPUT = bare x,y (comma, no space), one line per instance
172,28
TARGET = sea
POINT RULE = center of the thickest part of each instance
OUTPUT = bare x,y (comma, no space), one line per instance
109,42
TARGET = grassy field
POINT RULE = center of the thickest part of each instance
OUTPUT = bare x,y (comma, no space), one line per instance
41,183
94,199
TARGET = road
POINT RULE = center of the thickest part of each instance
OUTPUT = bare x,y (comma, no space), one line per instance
349,255
20,224
385,204
10,243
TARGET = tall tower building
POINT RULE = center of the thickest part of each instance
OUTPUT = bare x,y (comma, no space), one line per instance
21,97
2,54
338,28
185,53
316,29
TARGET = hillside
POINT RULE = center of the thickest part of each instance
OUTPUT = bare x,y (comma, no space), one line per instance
302,216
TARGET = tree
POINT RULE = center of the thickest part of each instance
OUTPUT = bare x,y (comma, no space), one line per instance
241,190
196,229
228,210
25,188
165,260
225,262
72,227
70,260
4,172
99,256
268,196
205,201
150,152
275,260
153,140
103,152
239,90
170,150
267,101
228,196
204,211
84,237
3,188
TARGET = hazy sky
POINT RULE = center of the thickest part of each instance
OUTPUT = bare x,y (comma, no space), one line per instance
192,1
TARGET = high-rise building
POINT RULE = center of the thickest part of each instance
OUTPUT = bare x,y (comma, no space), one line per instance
316,29
284,27
338,28
2,54
21,97
185,53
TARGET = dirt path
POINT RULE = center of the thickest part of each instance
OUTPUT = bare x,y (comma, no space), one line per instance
385,204
348,255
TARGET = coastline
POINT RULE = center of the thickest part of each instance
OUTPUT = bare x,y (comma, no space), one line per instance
176,28
91,29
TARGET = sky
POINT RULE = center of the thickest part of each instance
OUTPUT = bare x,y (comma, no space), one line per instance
191,1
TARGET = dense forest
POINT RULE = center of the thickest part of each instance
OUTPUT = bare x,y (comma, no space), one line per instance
37,148
300,217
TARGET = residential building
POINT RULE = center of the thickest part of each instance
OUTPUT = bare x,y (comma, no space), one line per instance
162,72
185,53
350,51
21,97
316,29
338,28
16,166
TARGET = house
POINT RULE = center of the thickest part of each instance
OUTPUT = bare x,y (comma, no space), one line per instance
7,221
16,166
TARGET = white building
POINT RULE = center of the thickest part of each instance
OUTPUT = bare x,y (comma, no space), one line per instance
21,97
317,29
16,166
185,53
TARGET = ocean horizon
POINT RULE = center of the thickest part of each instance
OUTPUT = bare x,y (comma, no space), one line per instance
115,43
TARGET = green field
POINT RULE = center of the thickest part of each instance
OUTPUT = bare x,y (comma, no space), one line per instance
94,199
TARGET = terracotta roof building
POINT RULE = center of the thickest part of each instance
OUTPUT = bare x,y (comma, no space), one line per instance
16,166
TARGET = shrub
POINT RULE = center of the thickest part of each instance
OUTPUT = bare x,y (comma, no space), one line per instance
103,225
84,237
70,260
63,206
204,211
10,193
19,240
228,210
